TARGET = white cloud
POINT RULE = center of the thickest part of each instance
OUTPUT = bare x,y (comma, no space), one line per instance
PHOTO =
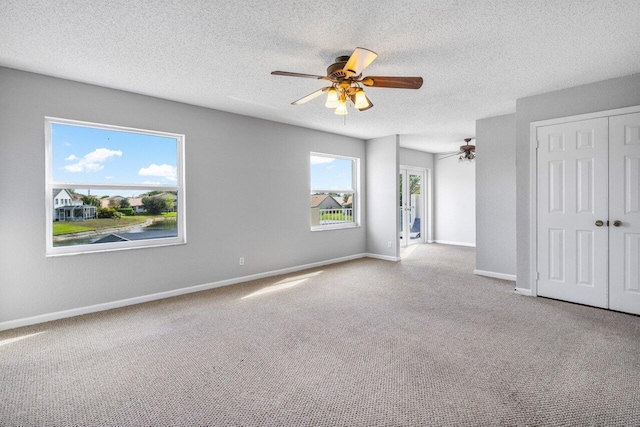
92,162
108,177
67,144
102,154
71,157
317,160
152,183
164,171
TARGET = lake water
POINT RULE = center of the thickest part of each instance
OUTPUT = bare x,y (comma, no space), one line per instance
159,229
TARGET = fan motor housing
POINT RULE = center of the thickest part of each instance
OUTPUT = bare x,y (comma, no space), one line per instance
335,70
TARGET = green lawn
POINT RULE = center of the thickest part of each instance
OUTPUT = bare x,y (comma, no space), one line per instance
336,217
68,227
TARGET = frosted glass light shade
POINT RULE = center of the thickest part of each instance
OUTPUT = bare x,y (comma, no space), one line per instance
332,99
361,100
341,109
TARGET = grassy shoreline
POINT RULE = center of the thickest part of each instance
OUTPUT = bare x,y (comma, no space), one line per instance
61,228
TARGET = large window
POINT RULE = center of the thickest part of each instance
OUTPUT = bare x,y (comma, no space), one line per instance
112,188
334,191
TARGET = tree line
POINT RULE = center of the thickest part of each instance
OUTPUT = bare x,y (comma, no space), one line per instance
152,205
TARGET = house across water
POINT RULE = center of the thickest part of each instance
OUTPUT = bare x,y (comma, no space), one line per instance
71,208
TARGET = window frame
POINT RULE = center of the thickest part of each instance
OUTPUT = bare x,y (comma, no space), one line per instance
50,185
355,191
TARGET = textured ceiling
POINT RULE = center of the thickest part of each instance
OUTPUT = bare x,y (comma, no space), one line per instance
476,57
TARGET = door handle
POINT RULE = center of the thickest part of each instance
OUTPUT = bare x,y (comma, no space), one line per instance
617,223
599,223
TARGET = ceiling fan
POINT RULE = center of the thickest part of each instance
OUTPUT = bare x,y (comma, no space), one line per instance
466,152
346,79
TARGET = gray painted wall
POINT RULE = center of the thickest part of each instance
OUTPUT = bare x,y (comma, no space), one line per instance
421,159
382,196
605,95
236,167
455,201
496,194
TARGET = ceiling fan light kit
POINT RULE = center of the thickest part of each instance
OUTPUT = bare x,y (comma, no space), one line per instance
346,78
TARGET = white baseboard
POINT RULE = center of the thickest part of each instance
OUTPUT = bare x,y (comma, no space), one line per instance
447,242
11,324
495,275
523,291
384,257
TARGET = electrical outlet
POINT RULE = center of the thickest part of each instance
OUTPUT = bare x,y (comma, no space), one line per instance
388,244
241,260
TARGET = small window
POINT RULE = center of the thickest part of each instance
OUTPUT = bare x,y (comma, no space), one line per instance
87,163
334,191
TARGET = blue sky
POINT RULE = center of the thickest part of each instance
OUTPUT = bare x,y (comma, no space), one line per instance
90,155
328,173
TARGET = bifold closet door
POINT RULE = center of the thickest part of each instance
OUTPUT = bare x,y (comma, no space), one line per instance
624,207
572,211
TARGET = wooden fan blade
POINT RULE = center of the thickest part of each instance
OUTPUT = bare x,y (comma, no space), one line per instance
311,96
393,82
308,76
358,61
457,153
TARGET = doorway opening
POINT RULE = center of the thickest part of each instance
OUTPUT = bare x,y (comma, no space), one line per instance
414,203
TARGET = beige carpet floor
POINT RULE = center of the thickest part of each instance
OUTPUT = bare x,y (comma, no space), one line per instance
363,343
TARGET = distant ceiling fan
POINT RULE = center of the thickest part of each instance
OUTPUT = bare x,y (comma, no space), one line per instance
466,152
346,79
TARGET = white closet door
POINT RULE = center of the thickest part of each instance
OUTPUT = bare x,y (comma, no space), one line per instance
572,197
624,195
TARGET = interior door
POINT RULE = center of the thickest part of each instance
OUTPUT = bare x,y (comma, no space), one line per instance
572,212
412,207
624,213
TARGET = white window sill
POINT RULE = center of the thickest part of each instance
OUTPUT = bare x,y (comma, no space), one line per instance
112,247
334,227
